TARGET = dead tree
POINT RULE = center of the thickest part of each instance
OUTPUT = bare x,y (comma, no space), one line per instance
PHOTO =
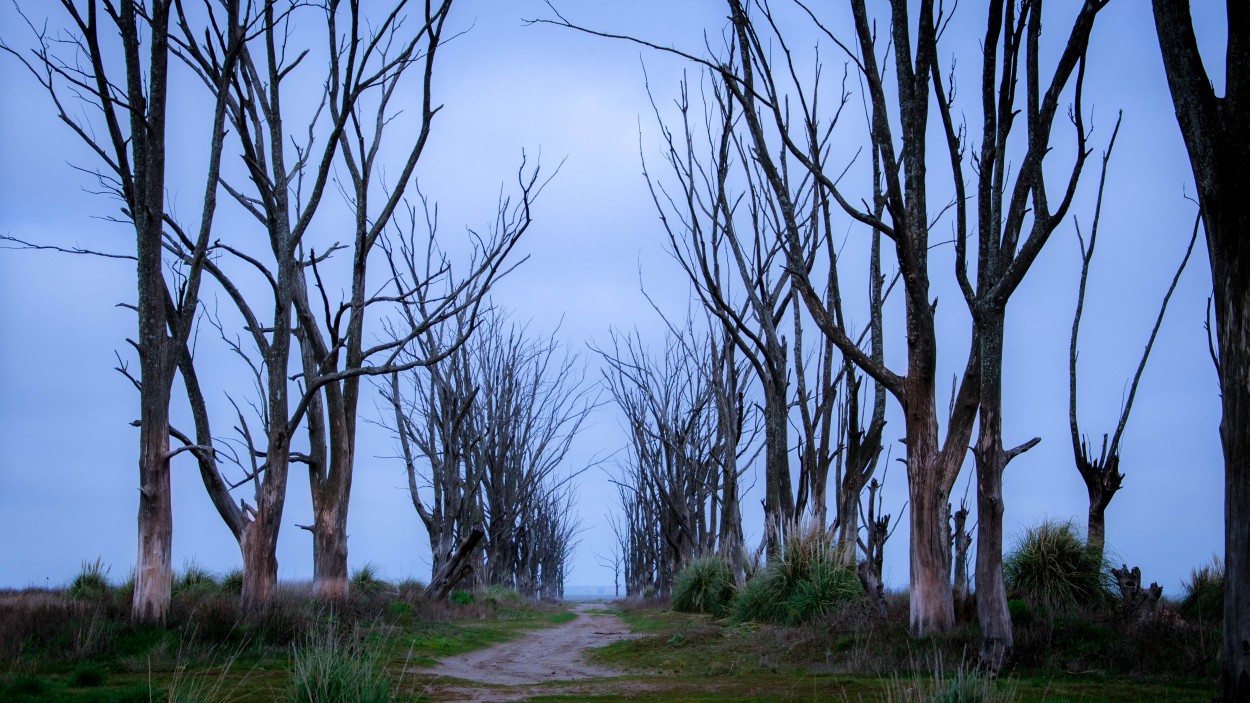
667,482
734,261
131,97
1218,145
1003,209
1136,601
1101,473
493,418
876,532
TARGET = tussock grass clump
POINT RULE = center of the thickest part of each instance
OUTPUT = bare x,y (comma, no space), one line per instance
91,583
965,686
1204,593
705,586
367,583
1051,568
195,581
806,583
330,667
232,583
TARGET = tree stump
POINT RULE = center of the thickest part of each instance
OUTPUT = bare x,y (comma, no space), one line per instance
1134,599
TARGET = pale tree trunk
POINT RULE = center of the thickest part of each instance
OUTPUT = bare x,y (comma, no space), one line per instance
1215,135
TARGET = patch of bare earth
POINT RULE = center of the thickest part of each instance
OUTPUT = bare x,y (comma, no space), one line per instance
550,661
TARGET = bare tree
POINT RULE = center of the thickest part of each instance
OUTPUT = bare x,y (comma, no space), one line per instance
132,102
332,338
1215,135
669,478
733,259
493,419
1101,473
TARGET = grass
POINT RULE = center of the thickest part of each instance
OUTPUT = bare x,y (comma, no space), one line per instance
1204,593
1051,568
54,648
850,656
706,585
805,584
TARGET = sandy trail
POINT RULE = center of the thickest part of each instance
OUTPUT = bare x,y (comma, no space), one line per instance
540,657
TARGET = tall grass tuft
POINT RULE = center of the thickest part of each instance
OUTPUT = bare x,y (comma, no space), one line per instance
91,583
366,582
706,585
1051,568
331,668
195,581
965,686
1204,593
805,583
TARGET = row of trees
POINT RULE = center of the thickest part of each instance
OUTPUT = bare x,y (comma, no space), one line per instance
304,325
488,428
758,181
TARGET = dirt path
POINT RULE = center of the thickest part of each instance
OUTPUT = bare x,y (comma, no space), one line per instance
541,657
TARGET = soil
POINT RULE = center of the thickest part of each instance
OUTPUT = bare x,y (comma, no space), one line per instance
552,658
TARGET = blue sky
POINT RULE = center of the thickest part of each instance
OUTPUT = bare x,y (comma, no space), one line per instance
67,450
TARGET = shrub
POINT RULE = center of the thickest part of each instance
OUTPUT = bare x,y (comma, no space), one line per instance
462,598
330,668
706,585
1204,593
1051,568
805,583
91,583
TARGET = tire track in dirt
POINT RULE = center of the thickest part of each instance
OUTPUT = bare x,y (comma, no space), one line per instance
540,658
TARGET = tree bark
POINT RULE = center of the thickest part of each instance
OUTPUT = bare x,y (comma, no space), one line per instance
1215,136
991,461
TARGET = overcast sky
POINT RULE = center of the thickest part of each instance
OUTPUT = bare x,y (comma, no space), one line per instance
68,453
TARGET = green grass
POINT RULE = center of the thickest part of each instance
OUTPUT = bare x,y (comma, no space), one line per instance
693,657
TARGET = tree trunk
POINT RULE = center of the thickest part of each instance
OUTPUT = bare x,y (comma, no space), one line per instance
932,604
1219,147
331,495
1096,527
260,566
991,462
778,495
153,569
